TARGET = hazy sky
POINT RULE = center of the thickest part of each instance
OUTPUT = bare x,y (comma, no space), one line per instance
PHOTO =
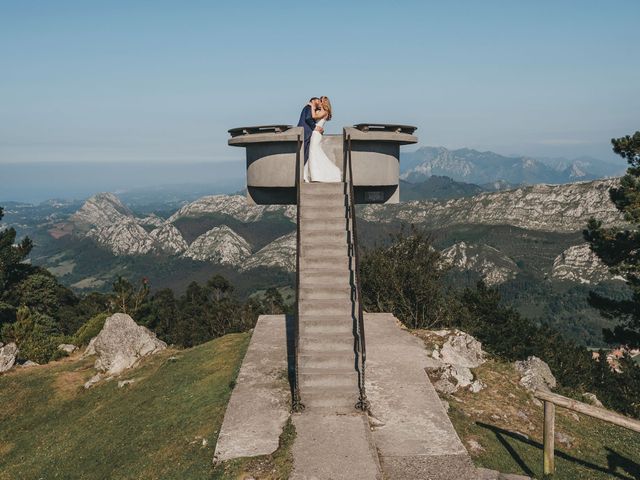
91,81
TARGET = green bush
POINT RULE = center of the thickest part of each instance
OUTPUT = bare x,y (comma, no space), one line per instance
90,329
36,335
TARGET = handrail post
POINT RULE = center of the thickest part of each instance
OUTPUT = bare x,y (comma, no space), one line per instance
363,402
296,401
549,438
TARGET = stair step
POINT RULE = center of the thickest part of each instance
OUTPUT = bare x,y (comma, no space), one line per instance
326,292
325,225
327,360
329,343
319,249
323,238
323,200
326,328
346,379
322,212
325,307
336,399
322,188
327,261
340,275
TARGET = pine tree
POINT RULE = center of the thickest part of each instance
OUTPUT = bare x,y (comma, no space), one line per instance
619,248
11,255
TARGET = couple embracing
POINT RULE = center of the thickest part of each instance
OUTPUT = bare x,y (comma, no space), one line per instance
318,167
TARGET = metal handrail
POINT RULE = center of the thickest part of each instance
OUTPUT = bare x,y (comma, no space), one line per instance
296,401
363,403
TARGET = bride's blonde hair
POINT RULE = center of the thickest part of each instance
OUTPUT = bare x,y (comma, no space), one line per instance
326,105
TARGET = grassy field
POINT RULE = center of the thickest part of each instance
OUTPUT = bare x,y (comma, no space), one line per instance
504,425
162,426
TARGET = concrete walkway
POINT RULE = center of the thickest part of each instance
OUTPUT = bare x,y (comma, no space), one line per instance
412,431
410,436
334,447
260,402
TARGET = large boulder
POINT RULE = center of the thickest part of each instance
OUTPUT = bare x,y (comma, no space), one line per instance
67,347
536,374
462,350
8,354
121,343
455,353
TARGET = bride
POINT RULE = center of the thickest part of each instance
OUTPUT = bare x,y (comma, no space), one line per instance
319,167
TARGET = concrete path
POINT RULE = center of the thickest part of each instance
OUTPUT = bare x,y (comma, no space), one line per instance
333,447
412,431
260,402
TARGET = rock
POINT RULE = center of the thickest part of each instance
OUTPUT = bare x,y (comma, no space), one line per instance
446,405
476,386
281,253
494,266
8,354
169,239
580,264
564,439
29,363
592,399
575,416
67,347
219,245
91,349
93,380
121,343
452,378
536,374
124,383
461,349
474,446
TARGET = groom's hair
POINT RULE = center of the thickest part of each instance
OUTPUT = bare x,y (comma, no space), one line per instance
313,98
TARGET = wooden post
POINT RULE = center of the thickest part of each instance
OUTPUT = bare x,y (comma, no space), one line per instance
549,437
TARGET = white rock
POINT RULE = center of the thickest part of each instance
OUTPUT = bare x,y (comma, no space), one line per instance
592,399
8,354
557,208
536,374
219,245
90,350
122,342
235,206
493,265
124,383
169,239
461,349
67,347
101,210
580,264
29,363
280,253
124,237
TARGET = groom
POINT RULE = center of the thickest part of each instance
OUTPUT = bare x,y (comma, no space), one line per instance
308,123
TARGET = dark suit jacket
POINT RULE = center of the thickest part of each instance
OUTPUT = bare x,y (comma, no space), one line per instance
307,121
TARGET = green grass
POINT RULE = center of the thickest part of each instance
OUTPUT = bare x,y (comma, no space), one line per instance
163,426
506,422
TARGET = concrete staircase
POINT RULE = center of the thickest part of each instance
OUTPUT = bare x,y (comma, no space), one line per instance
327,374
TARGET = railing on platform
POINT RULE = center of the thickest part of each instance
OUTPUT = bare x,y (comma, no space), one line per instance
361,347
296,401
551,400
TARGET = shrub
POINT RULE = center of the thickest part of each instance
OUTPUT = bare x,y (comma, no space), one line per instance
90,329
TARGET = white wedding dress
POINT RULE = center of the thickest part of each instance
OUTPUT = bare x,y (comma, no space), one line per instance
319,167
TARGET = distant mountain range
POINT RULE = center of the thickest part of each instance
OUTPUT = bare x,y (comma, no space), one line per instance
486,168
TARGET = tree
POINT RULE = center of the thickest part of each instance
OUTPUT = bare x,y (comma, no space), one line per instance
36,334
126,298
620,248
405,279
12,255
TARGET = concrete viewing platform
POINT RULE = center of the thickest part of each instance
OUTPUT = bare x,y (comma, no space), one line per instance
407,435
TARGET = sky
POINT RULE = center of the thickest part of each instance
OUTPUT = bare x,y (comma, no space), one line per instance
163,81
